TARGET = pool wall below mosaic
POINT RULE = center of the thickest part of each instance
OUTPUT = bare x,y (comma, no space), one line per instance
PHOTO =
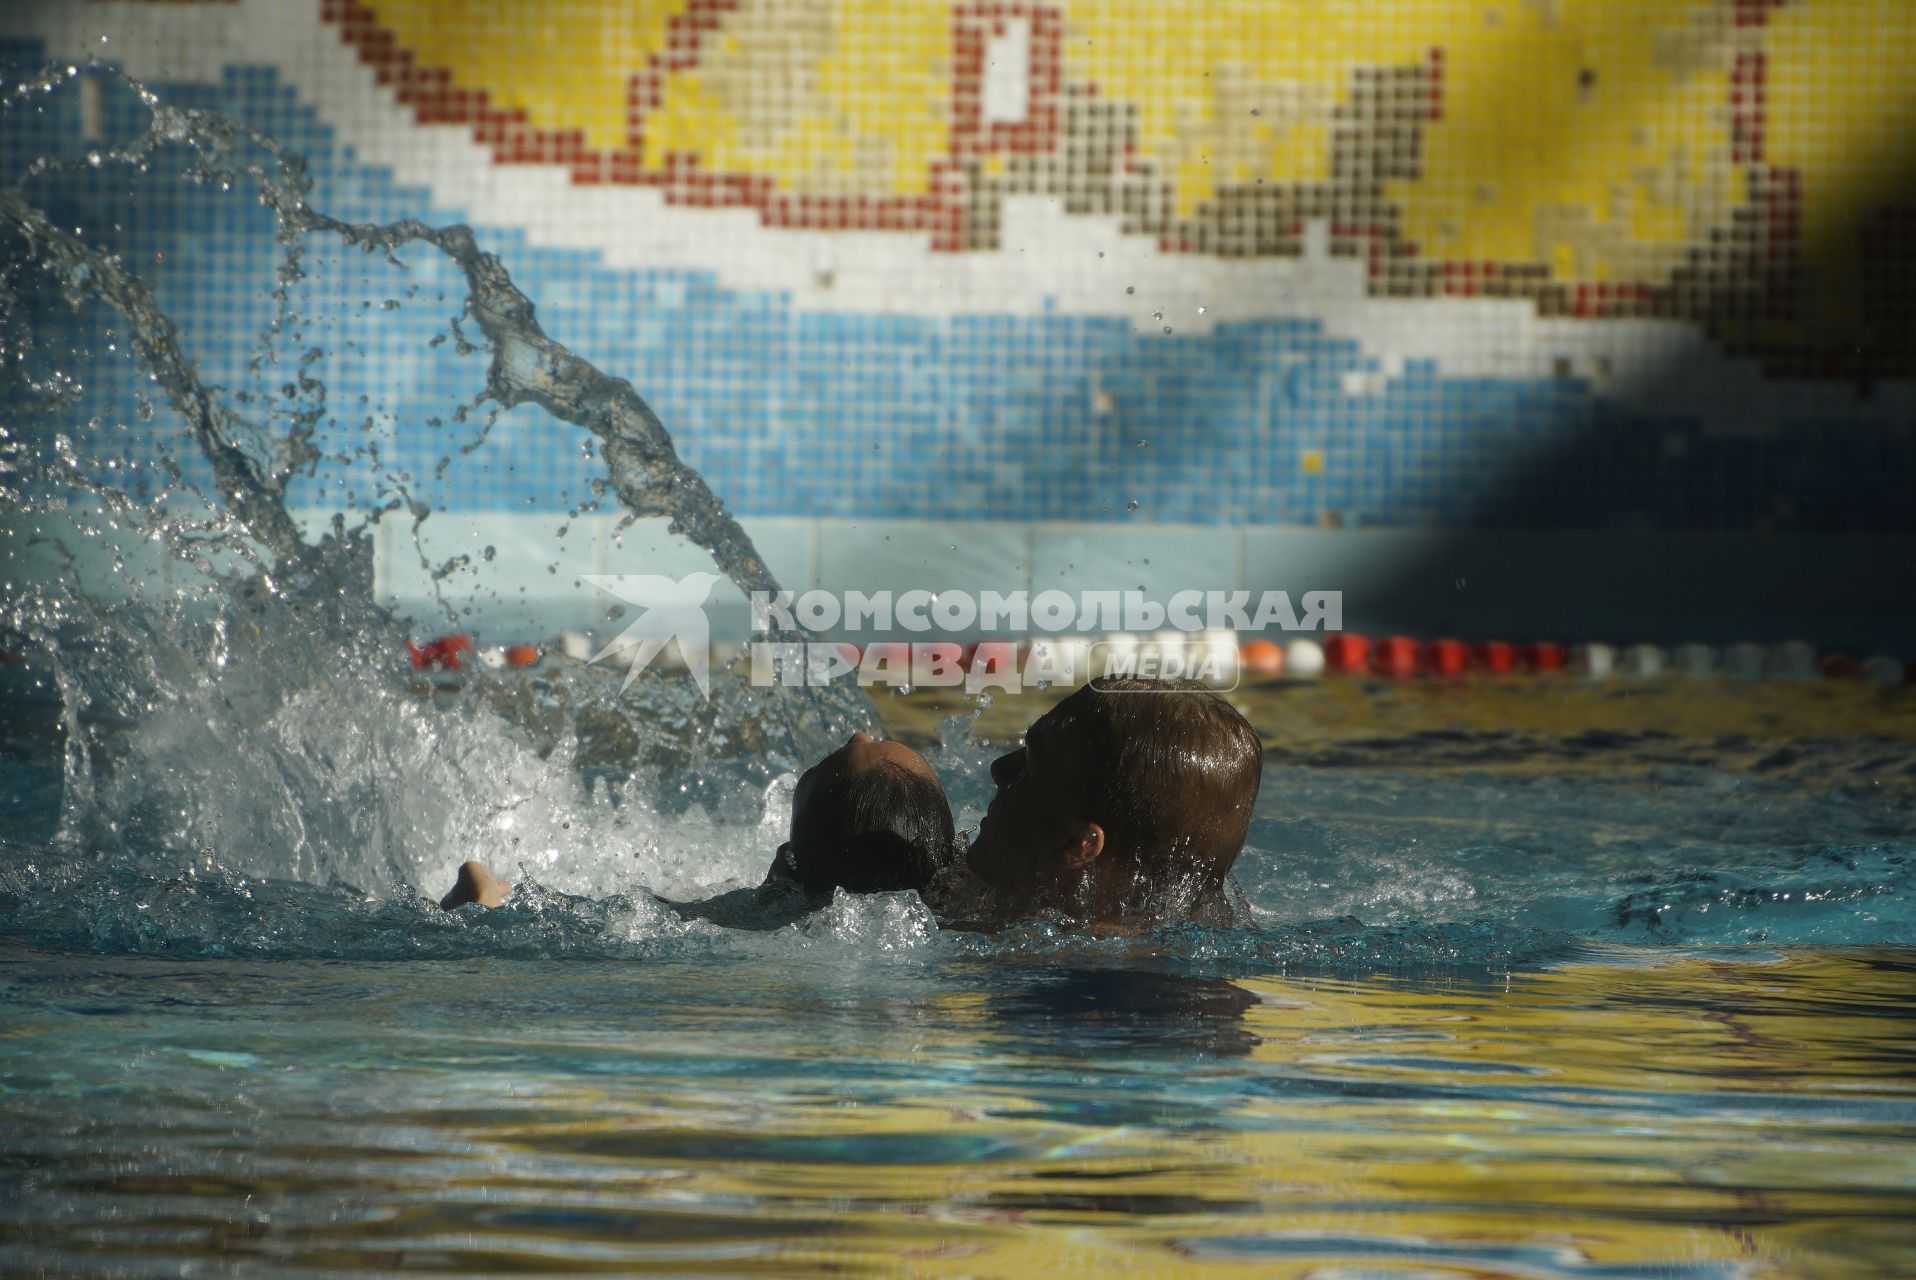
522,579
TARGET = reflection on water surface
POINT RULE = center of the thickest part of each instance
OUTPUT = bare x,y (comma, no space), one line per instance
1625,1114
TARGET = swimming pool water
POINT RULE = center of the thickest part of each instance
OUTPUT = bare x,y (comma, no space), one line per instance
1619,1115
1611,1005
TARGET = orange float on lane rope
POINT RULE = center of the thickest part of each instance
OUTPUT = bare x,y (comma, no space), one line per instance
1261,658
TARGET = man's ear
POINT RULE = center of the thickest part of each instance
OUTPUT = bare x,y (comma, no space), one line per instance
1086,842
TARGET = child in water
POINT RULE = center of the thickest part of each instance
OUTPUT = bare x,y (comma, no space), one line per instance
869,818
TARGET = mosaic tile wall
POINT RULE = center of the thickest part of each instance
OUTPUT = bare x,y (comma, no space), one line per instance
1572,263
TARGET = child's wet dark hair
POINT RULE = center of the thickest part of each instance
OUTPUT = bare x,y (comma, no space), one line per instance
877,830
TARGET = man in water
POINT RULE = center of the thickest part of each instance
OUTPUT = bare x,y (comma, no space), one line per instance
869,818
1124,809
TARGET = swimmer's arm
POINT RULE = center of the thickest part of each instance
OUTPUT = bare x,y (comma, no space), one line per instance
474,883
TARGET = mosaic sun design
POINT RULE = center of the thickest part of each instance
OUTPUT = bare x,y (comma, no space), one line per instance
1727,162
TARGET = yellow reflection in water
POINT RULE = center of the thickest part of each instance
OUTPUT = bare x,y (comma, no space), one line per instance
1697,1116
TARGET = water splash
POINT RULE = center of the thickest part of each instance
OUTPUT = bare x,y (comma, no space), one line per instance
527,367
244,717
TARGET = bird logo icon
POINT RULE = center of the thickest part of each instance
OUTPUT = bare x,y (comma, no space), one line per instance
670,609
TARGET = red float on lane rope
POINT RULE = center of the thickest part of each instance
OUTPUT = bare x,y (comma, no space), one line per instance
1396,656
1447,657
1346,652
1498,657
1544,655
440,654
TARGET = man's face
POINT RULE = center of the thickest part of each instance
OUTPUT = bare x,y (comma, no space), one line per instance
1034,814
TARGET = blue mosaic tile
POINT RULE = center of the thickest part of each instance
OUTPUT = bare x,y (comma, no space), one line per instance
790,412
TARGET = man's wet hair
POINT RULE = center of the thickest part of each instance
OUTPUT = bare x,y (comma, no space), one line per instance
1175,771
884,829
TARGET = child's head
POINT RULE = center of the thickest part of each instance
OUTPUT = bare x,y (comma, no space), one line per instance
1128,802
869,818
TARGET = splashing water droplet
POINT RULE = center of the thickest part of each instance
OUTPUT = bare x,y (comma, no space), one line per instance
255,495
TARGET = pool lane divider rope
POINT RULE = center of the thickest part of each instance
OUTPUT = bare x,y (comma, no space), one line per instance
1344,653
